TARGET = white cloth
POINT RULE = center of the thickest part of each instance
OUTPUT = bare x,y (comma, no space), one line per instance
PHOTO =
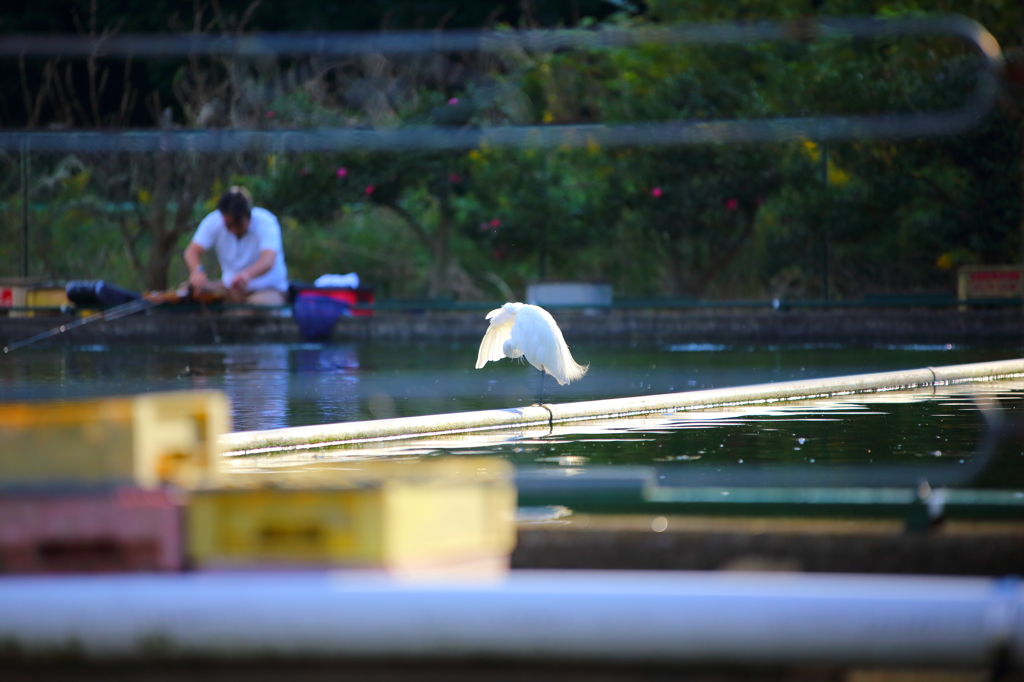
349,281
234,254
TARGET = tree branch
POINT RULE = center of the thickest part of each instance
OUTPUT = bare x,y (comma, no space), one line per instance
73,96
128,95
247,14
197,180
726,258
420,231
62,106
25,96
130,241
941,194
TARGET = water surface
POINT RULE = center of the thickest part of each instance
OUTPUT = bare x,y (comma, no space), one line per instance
873,440
275,385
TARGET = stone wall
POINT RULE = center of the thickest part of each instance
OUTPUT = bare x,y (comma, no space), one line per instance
996,326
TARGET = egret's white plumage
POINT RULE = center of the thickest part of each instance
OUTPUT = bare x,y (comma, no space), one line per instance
522,330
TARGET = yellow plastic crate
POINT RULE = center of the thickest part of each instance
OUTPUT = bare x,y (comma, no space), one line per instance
421,517
46,298
146,439
29,297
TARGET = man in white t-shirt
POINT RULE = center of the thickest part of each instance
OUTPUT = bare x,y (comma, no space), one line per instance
249,250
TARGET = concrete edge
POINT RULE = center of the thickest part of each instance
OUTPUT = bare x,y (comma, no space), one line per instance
328,435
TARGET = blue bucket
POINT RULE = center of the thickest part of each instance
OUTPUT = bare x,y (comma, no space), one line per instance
317,314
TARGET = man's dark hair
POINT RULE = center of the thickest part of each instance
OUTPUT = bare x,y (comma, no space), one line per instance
236,202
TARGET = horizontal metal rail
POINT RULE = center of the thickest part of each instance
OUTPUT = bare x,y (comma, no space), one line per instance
420,42
606,490
439,138
412,305
593,616
908,301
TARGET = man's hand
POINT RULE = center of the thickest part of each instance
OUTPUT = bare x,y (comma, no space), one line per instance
197,279
194,262
241,282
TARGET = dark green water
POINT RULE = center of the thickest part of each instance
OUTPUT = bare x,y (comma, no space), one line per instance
274,385
865,440
872,441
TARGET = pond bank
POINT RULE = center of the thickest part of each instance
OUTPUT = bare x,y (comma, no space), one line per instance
860,325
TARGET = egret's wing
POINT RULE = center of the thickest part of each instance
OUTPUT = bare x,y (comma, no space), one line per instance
539,337
500,331
491,346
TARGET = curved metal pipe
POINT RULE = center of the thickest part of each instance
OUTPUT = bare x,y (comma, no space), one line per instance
822,128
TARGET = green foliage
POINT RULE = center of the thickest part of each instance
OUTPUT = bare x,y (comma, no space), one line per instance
74,225
713,221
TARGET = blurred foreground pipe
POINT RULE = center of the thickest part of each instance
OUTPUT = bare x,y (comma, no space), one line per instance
325,435
559,615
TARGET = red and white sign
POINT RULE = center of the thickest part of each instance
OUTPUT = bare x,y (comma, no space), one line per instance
991,282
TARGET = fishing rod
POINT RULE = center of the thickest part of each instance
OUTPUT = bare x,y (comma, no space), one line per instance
108,315
150,300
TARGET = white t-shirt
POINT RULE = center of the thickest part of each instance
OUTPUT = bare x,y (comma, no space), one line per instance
234,254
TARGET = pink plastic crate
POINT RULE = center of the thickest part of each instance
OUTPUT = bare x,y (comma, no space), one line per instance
116,530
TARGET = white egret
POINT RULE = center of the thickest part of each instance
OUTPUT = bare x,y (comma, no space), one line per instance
521,330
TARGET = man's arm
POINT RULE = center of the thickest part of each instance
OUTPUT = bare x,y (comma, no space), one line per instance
260,267
194,262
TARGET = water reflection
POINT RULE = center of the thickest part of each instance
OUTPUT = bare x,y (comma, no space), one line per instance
256,381
893,439
328,379
298,384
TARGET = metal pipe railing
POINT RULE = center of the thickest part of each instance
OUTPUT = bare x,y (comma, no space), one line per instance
667,617
439,138
328,435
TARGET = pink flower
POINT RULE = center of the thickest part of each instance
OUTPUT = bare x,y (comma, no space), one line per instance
656,192
369,190
341,172
454,178
453,101
495,223
270,114
732,204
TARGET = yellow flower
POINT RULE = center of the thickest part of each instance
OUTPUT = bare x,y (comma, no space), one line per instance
211,203
811,151
945,262
79,181
837,176
592,146
548,117
144,196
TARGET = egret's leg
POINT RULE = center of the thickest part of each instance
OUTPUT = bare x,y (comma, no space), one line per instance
540,398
